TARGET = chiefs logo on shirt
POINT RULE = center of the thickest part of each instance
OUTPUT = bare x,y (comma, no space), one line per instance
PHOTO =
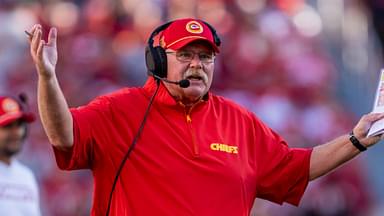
224,148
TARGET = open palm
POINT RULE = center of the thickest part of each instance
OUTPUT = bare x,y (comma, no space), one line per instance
49,57
44,54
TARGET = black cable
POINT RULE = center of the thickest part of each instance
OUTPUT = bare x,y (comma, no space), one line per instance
134,141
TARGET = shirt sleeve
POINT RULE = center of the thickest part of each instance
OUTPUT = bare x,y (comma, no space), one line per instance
81,154
282,172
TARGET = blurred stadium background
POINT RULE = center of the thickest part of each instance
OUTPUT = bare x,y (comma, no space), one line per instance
307,68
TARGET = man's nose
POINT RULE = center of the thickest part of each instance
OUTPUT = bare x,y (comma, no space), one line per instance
196,62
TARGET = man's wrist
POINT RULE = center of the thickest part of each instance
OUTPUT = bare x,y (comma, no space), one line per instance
356,142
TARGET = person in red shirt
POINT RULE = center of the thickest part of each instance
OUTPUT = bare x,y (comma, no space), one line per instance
172,147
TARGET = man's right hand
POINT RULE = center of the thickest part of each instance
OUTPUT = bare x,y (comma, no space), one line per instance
44,54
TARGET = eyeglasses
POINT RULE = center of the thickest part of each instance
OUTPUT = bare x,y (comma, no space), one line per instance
187,56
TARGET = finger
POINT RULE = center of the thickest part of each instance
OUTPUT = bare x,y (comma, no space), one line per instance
34,27
32,31
36,40
373,117
377,117
39,50
52,37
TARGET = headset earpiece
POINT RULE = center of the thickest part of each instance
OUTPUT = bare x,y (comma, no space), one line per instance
155,57
156,61
216,38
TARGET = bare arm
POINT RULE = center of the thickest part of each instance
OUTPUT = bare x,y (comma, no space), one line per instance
329,156
53,108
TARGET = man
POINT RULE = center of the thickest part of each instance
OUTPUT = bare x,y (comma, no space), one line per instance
172,147
19,193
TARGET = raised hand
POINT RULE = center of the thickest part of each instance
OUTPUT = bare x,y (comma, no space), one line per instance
44,54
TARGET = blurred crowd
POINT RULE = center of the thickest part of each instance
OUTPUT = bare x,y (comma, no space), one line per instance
299,65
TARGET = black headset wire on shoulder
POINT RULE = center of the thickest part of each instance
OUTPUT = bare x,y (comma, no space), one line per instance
131,147
136,137
156,62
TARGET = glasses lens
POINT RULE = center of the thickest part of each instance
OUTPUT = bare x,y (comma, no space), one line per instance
205,57
184,56
189,55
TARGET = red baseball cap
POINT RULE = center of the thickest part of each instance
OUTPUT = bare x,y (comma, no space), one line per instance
184,31
11,110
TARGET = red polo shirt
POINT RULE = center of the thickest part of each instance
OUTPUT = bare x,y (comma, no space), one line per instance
213,159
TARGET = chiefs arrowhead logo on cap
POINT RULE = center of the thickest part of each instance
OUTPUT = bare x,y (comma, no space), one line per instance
10,106
194,27
184,31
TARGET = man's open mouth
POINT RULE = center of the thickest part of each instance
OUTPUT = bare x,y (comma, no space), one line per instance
194,77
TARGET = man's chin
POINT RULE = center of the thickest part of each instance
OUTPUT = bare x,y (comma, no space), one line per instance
194,93
12,149
11,152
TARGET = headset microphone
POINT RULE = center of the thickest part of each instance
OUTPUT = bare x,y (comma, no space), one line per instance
184,83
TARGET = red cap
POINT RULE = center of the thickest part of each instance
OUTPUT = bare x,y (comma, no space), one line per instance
10,110
183,31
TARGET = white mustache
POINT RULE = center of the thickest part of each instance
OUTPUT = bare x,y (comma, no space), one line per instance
199,73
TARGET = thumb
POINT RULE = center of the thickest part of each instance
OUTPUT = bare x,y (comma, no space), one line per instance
52,37
382,136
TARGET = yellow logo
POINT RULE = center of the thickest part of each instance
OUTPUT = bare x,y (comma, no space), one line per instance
224,148
194,27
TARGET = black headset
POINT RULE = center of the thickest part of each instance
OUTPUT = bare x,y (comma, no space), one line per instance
156,58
